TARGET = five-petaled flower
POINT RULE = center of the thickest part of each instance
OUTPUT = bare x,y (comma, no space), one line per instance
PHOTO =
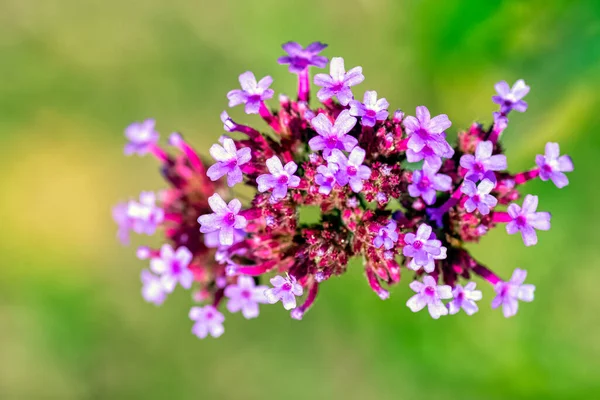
124,223
141,136
429,294
285,289
333,136
229,159
464,298
301,58
153,290
527,220
508,293
145,216
424,248
225,219
325,178
481,165
245,295
338,82
252,93
172,267
427,139
208,321
279,179
427,182
479,196
350,170
511,98
386,236
370,110
552,165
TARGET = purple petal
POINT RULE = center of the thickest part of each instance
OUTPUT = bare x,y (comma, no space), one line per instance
274,165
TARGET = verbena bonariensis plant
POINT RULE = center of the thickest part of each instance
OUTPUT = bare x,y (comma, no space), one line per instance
390,190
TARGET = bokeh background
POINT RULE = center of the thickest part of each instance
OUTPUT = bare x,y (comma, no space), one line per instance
74,73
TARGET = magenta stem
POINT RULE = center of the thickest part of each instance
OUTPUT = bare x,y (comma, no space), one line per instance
501,217
451,202
254,270
304,85
497,130
375,285
265,113
486,274
527,176
298,312
159,153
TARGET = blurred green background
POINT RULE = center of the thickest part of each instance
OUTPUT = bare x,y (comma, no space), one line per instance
74,73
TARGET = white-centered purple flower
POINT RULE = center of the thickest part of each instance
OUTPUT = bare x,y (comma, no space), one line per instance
526,220
152,288
338,82
124,223
245,296
172,267
350,170
427,182
325,178
279,179
141,136
145,215
479,196
300,58
552,165
387,236
511,98
252,93
229,159
424,248
333,136
427,140
509,293
225,219
370,110
285,289
464,298
208,321
480,165
429,294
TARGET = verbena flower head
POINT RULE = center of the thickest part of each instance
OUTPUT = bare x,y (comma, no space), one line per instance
359,171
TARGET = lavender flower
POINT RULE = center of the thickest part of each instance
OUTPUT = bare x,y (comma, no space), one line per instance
350,170
208,321
333,136
325,178
508,293
301,58
386,236
245,296
285,289
424,248
124,223
552,165
464,298
338,82
280,178
370,110
429,294
426,137
152,289
480,166
527,220
479,196
172,266
225,219
229,160
145,215
141,136
426,182
252,93
510,98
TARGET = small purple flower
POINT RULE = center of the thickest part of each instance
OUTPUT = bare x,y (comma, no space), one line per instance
245,296
145,215
333,136
141,136
386,236
121,217
338,82
465,298
426,183
527,220
479,196
508,293
427,139
172,266
229,159
280,178
349,170
370,110
424,248
225,219
152,289
300,58
325,178
429,294
552,165
483,162
510,98
285,289
252,93
208,321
